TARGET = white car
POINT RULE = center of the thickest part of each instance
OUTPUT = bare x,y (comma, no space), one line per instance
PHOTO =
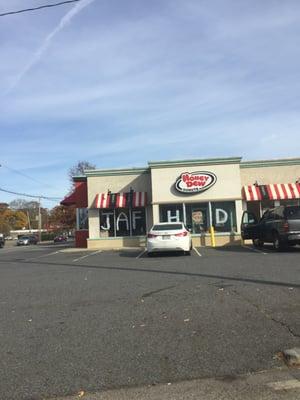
169,236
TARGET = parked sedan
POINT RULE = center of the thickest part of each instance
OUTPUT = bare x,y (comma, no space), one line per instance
60,239
26,240
169,236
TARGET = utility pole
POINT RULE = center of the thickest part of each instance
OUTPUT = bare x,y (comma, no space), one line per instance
29,225
40,221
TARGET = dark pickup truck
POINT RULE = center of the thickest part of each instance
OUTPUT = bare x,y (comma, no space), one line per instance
280,226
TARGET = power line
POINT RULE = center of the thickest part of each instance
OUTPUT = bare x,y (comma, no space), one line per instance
33,196
38,8
23,174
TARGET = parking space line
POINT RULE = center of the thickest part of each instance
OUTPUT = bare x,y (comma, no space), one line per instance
255,250
87,255
196,251
43,255
140,255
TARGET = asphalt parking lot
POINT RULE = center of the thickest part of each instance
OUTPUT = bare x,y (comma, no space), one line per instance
95,320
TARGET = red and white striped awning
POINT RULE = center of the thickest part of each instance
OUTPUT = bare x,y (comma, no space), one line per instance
251,193
139,199
102,200
121,200
275,191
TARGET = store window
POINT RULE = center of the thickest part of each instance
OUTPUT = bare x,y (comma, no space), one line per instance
171,213
197,217
224,216
82,219
291,202
122,222
107,223
138,220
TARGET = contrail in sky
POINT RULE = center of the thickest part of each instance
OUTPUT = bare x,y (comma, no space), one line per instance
66,19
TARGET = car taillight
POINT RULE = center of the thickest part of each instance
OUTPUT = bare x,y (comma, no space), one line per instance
151,235
286,227
181,233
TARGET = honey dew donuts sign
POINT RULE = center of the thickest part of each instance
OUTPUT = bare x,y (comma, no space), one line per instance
195,182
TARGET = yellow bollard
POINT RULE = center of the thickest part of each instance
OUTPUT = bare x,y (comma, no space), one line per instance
212,236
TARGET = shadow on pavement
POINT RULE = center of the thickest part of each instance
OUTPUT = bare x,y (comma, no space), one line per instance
168,254
249,248
167,272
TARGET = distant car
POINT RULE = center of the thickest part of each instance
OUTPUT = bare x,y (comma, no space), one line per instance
280,226
60,239
8,238
169,236
2,240
26,240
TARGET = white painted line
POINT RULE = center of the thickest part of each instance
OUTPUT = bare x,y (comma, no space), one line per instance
255,250
43,255
140,255
285,385
87,255
199,254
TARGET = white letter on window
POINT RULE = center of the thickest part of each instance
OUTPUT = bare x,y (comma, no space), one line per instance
173,218
135,216
221,216
122,217
107,227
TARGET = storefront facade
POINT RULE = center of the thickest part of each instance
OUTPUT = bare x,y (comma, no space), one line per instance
122,204
270,183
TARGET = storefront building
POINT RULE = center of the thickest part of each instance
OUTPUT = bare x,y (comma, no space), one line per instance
116,207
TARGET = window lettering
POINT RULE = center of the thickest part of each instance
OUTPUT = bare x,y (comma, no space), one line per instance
120,222
106,225
136,215
221,216
122,217
173,218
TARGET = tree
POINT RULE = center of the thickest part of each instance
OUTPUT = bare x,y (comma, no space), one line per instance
78,169
21,204
62,217
31,209
12,220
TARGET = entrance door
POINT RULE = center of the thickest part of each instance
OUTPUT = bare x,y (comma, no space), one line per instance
249,226
255,208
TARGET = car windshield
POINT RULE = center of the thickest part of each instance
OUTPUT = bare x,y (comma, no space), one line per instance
167,227
292,212
24,238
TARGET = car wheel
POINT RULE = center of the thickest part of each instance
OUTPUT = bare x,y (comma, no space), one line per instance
187,253
149,254
258,243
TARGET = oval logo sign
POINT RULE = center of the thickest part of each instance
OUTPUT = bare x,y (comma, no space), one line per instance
195,182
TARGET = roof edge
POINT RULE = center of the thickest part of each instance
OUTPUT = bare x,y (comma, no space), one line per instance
270,163
81,178
117,171
203,161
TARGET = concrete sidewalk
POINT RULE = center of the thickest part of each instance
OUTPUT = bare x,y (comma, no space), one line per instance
278,384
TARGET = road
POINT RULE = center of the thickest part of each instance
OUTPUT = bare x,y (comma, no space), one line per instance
95,321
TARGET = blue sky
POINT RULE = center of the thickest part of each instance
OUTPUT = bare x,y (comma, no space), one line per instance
119,83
